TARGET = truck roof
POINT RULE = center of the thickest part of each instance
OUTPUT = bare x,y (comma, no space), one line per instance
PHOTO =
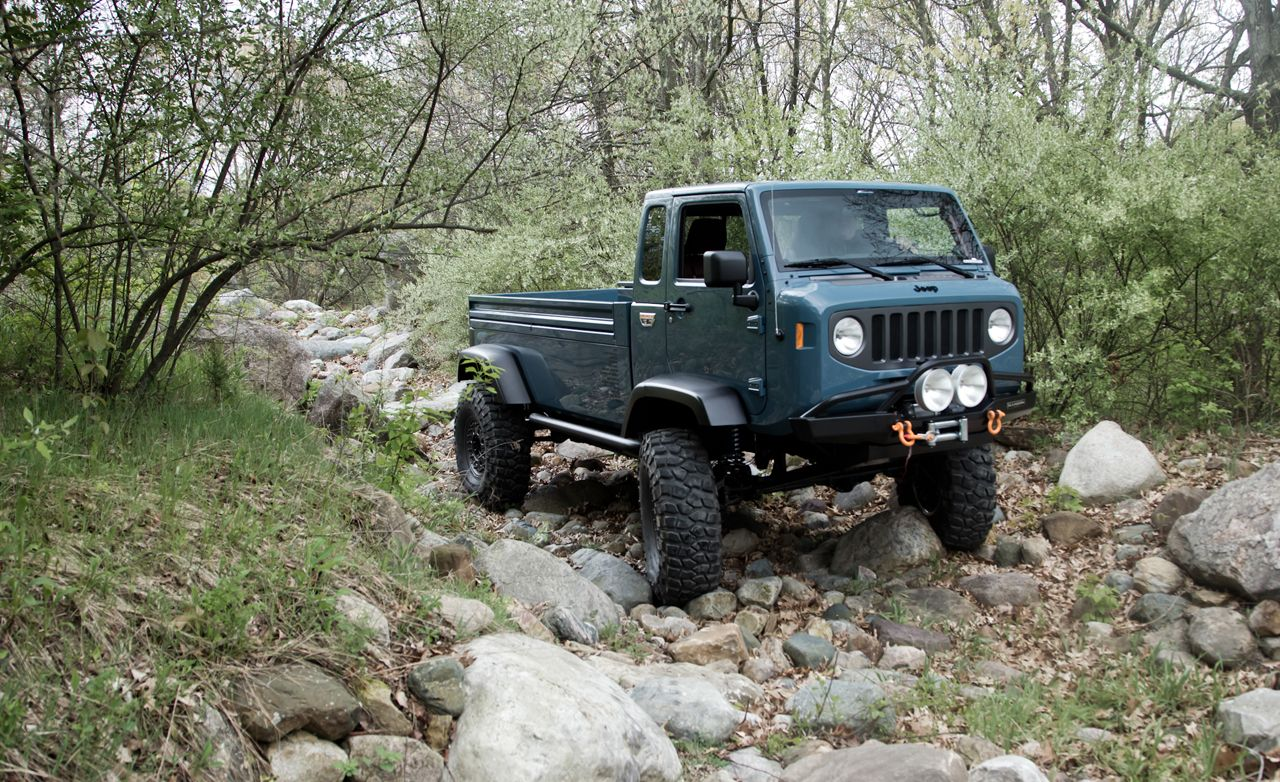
756,187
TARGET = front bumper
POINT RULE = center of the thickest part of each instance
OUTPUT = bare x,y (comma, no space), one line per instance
875,428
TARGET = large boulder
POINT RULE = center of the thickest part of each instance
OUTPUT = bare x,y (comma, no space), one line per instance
536,712
688,708
533,576
337,398
273,362
1252,719
876,762
887,543
1232,540
1108,465
274,702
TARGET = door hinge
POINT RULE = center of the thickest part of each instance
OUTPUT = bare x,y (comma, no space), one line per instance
755,323
756,385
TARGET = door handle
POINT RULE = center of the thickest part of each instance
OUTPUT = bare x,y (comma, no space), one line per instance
680,305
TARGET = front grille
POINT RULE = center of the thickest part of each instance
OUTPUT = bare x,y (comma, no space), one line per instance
916,334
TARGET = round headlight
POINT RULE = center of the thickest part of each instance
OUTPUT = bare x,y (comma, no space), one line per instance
848,336
934,390
971,384
1000,326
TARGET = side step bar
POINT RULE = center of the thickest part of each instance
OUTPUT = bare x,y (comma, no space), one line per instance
586,434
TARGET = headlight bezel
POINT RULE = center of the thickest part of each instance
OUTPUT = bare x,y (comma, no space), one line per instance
965,374
836,337
1009,328
932,382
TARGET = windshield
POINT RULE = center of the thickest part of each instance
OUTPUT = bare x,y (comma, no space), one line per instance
866,224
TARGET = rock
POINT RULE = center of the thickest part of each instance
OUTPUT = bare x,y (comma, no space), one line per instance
615,577
890,632
976,749
274,702
1209,598
758,568
1008,550
1130,510
1232,541
995,672
301,305
225,760
330,349
598,732
1094,735
242,303
379,350
365,617
855,499
860,707
1157,608
994,589
739,543
876,762
669,628
1270,647
1035,550
1128,552
465,615
1119,580
534,576
762,592
887,543
809,651
735,687
904,658
759,669
1132,534
1067,528
713,606
1180,501
301,757
1171,636
334,403
393,759
717,642
748,765
452,559
1007,768
937,604
1155,574
380,714
688,709
568,627
439,684
1251,720
1221,636
803,748
1264,619
272,361
795,589
1108,465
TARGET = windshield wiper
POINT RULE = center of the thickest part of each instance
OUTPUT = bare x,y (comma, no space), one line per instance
825,263
913,259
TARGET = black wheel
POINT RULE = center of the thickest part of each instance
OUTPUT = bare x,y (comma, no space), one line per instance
492,442
956,491
679,515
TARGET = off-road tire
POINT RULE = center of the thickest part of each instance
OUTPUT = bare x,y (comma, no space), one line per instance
491,444
679,515
956,492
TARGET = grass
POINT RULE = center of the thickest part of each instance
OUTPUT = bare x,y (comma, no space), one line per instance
159,549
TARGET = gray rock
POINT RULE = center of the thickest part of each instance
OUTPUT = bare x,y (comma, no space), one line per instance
795,589
759,568
1119,580
688,708
858,706
615,577
814,520
1264,619
1133,534
329,349
876,762
1232,541
380,714
378,350
275,702
904,658
394,759
365,617
1252,720
1035,550
301,757
1220,636
1180,501
993,589
669,628
762,592
568,627
1067,528
748,765
1156,574
856,498
977,750
337,398
1108,465
574,451
1094,735
1007,768
598,732
533,576
887,543
890,632
301,305
809,651
1008,550
465,615
713,606
1157,608
272,361
739,542
735,687
1171,636
440,684
1270,647
995,672
1129,552
711,644
936,604
1130,510
226,760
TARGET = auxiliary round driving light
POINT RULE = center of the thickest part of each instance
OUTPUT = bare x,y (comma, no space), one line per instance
935,390
971,384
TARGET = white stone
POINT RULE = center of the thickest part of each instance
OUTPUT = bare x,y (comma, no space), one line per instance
301,305
904,658
1252,719
301,757
464,615
1108,465
365,616
1007,768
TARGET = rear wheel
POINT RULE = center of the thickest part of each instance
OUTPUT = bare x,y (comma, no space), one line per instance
956,491
680,516
491,442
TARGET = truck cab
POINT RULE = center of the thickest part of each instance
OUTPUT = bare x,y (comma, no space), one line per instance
858,326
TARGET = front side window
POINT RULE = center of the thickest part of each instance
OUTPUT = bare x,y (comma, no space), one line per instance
865,224
655,231
707,227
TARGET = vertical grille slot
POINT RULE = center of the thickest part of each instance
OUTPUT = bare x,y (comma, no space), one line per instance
878,345
979,328
962,332
919,333
944,342
913,335
895,336
931,333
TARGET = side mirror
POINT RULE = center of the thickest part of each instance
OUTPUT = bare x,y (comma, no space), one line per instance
724,269
990,252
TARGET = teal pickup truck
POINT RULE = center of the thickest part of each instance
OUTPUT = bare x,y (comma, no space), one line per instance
858,326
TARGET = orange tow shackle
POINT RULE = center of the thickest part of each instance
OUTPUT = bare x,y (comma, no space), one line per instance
995,421
906,436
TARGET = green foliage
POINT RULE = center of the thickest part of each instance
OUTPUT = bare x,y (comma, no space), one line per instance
1064,498
1100,600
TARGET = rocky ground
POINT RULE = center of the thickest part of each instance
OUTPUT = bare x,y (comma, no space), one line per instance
1121,623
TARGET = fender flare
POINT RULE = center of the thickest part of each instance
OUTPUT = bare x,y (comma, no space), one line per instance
710,402
510,386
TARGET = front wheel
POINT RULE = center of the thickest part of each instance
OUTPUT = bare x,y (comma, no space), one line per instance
492,442
956,491
679,515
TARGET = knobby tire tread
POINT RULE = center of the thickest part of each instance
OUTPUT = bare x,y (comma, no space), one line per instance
686,515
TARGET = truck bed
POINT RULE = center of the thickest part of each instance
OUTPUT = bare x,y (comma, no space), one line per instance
573,346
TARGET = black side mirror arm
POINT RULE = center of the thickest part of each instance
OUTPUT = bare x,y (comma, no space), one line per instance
750,299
